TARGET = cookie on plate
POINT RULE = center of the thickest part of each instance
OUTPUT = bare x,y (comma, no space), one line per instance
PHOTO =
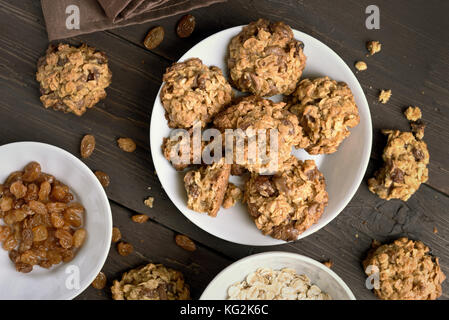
73,79
193,92
206,187
265,59
151,282
405,168
404,270
326,110
252,114
286,204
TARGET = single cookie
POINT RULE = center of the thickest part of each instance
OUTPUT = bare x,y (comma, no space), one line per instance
73,79
151,282
258,115
206,187
405,271
405,167
288,203
193,92
265,59
326,110
232,195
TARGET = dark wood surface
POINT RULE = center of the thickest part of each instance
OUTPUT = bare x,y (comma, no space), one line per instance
414,63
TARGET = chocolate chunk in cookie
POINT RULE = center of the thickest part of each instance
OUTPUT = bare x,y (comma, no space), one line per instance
326,110
265,59
405,168
73,79
404,270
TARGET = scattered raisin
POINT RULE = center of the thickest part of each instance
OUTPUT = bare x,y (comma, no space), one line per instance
126,144
100,281
87,146
185,26
125,249
140,218
185,242
154,38
116,234
103,178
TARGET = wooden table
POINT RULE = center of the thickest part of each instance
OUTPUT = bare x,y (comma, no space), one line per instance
414,63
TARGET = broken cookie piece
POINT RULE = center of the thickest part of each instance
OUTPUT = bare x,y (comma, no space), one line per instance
206,187
406,160
373,47
413,113
232,195
384,96
418,129
361,65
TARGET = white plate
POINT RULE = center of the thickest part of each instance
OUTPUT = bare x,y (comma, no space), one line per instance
43,284
327,280
343,170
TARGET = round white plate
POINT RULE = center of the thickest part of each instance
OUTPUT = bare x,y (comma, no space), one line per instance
66,280
327,280
343,170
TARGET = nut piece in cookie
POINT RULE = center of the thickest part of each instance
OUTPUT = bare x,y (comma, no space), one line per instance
193,92
73,79
232,195
286,204
326,110
258,115
405,167
151,282
206,187
413,113
265,59
406,271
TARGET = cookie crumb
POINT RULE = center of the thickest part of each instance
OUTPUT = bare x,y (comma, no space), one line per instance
418,129
232,195
328,263
361,65
140,218
384,96
149,202
435,230
413,113
373,47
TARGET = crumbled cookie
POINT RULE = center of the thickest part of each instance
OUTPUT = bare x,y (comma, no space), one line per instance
361,65
149,202
265,59
206,187
151,282
413,113
384,96
326,110
253,114
405,167
193,92
328,263
373,47
406,271
286,204
232,195
73,79
418,129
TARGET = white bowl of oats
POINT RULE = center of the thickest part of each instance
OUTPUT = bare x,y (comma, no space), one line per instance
277,276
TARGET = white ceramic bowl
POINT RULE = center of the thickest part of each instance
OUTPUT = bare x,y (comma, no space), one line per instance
60,282
343,170
327,280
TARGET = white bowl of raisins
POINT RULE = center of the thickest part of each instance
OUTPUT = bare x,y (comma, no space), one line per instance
55,223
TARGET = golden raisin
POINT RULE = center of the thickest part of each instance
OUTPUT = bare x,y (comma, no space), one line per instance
65,238
24,267
56,206
40,233
18,189
185,242
125,249
58,193
5,231
140,218
29,257
154,37
100,281
10,243
126,144
44,191
116,234
87,146
72,218
103,178
6,203
32,192
38,207
57,220
78,237
31,172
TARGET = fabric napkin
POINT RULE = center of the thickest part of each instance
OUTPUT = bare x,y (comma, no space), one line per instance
98,15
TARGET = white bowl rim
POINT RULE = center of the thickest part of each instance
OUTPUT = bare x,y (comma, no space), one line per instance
292,255
102,195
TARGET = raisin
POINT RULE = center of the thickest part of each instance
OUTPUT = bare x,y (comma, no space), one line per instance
87,146
185,242
18,189
140,218
65,238
67,255
45,264
125,249
103,178
116,234
56,206
154,37
14,255
100,281
6,204
24,267
126,144
10,243
5,231
31,172
32,192
78,238
40,233
57,220
19,215
185,26
13,177
29,257
72,218
397,175
44,191
58,193
54,257
38,207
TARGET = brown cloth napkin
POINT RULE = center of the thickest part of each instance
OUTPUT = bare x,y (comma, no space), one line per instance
98,15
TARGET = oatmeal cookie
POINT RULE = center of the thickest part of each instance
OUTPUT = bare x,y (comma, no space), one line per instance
73,79
288,203
326,110
193,91
265,59
232,195
206,187
253,114
151,282
405,167
406,271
